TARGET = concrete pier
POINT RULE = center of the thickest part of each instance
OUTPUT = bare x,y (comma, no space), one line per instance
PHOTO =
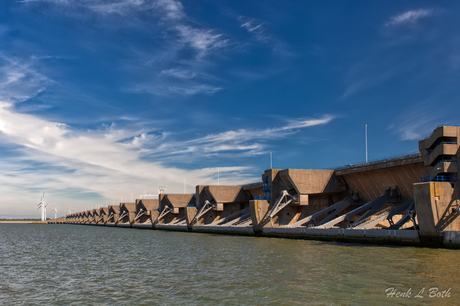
103,214
95,214
220,209
145,210
114,213
172,211
127,214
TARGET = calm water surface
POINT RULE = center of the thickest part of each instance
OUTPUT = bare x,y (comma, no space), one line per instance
89,265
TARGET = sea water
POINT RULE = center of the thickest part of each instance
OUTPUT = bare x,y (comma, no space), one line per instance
97,265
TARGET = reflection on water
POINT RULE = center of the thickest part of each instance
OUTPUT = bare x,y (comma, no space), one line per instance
89,265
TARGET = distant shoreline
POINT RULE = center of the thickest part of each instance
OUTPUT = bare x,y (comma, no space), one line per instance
17,221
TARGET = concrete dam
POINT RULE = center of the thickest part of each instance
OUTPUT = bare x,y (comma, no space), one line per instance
406,200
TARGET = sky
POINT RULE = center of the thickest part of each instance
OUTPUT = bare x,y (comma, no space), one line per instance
102,101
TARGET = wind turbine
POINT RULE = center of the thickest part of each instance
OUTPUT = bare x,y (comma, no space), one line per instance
42,205
55,212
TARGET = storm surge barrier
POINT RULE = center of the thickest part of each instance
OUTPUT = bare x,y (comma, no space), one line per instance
389,201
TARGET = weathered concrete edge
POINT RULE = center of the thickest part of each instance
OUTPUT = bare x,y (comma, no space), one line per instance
450,239
392,237
231,230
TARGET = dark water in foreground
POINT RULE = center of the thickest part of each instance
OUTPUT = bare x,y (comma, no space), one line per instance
88,265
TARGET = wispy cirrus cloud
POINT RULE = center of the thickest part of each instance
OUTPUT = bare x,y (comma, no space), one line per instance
415,125
184,40
248,135
19,81
179,73
203,41
388,59
106,162
242,142
173,9
258,29
170,9
372,71
193,90
409,17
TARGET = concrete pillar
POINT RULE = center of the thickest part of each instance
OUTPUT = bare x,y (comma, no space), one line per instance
131,217
258,209
190,213
436,205
154,216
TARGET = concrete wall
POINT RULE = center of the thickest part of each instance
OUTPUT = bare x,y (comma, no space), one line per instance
313,190
444,132
255,190
176,200
147,204
372,183
436,205
435,148
308,181
128,207
220,194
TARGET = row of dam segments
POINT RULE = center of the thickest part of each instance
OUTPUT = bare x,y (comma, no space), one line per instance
380,202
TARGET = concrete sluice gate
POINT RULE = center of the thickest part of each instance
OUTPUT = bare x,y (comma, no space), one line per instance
220,209
172,211
407,200
142,217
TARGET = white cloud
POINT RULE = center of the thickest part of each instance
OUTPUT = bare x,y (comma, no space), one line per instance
118,7
243,135
18,81
202,41
410,17
95,161
181,37
195,89
257,28
173,9
179,73
233,143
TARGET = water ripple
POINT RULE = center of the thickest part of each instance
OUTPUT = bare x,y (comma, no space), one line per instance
91,265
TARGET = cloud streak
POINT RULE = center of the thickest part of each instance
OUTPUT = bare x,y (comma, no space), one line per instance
187,42
242,142
18,81
409,18
101,162
257,28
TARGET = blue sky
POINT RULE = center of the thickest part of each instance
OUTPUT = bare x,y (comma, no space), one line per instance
101,100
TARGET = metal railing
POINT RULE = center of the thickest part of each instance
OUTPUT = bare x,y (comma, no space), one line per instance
379,161
439,178
447,125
